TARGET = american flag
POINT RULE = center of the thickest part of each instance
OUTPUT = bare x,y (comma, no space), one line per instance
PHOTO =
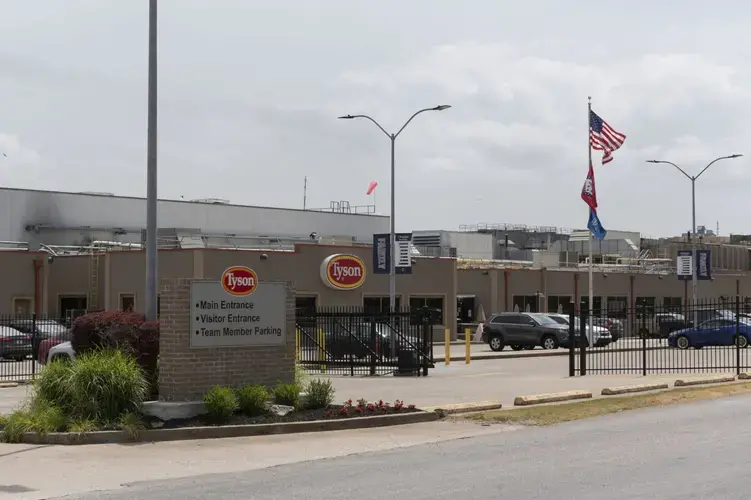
603,137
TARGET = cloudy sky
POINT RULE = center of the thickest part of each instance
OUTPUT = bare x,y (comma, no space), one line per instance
250,91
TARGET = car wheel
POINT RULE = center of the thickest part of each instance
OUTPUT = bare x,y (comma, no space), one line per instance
496,343
741,341
549,342
517,347
682,342
643,333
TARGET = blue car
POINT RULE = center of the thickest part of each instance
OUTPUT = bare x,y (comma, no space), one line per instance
715,332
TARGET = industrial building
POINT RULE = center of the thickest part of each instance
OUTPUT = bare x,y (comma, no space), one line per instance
69,252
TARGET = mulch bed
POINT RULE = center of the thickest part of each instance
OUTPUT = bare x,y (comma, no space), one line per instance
333,412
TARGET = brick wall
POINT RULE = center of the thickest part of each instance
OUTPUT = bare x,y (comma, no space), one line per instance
185,374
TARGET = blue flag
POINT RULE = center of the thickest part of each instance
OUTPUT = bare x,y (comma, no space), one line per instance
595,227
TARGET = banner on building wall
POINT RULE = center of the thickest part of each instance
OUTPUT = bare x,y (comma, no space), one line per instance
685,265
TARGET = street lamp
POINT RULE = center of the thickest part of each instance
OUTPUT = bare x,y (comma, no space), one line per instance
151,171
392,137
692,178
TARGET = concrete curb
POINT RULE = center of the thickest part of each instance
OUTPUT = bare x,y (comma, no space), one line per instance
8,385
538,354
454,409
701,381
229,431
628,389
554,397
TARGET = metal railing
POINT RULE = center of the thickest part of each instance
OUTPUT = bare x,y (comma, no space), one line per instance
649,339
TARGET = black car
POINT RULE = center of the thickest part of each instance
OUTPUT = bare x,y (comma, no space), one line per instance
523,330
39,330
359,340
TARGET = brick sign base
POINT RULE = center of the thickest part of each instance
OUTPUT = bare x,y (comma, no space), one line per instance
185,374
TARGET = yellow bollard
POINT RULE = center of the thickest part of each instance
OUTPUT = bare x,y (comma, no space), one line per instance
297,345
448,347
467,346
322,349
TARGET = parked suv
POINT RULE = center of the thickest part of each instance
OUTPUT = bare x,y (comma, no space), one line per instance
523,330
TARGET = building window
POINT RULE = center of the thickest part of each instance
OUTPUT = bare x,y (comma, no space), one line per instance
645,305
127,302
429,302
378,305
596,304
616,307
306,307
672,304
559,303
526,303
22,306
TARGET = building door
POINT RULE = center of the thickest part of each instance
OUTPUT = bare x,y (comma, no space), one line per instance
72,306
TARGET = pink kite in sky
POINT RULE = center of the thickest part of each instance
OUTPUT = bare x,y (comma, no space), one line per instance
371,187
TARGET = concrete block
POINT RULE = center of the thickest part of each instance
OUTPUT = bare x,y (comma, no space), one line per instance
704,380
554,397
166,410
453,409
628,389
8,385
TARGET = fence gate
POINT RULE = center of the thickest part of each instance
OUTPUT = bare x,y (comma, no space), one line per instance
355,341
711,336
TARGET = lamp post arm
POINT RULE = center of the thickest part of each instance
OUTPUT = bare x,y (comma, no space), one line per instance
410,119
372,120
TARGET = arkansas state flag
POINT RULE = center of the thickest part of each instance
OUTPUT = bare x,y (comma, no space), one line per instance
589,194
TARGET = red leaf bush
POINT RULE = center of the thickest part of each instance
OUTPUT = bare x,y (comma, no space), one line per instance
126,331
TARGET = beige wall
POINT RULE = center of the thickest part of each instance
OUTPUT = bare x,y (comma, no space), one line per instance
17,278
562,283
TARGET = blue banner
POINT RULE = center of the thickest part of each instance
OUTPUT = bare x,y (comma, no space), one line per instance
595,226
685,265
703,265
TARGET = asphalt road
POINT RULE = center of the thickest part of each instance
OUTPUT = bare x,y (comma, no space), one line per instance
693,451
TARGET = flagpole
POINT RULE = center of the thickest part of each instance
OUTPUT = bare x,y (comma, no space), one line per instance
590,336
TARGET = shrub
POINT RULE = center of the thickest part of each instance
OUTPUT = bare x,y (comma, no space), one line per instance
132,424
301,376
252,399
38,416
103,385
320,394
125,331
287,394
53,383
221,403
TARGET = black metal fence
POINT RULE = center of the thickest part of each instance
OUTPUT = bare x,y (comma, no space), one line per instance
25,342
709,336
356,341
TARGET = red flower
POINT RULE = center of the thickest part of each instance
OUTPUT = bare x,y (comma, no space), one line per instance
329,413
411,407
349,402
371,407
358,409
344,411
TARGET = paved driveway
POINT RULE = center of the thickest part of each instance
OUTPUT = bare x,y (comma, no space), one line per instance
491,380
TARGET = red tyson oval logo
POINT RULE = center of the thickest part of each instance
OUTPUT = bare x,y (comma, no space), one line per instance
239,281
343,272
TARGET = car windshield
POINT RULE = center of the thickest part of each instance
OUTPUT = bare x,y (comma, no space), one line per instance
542,319
559,319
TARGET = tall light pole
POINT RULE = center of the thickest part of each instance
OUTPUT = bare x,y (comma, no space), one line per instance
392,137
151,172
694,264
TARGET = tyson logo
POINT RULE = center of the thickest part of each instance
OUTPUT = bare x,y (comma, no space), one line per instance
343,272
239,281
